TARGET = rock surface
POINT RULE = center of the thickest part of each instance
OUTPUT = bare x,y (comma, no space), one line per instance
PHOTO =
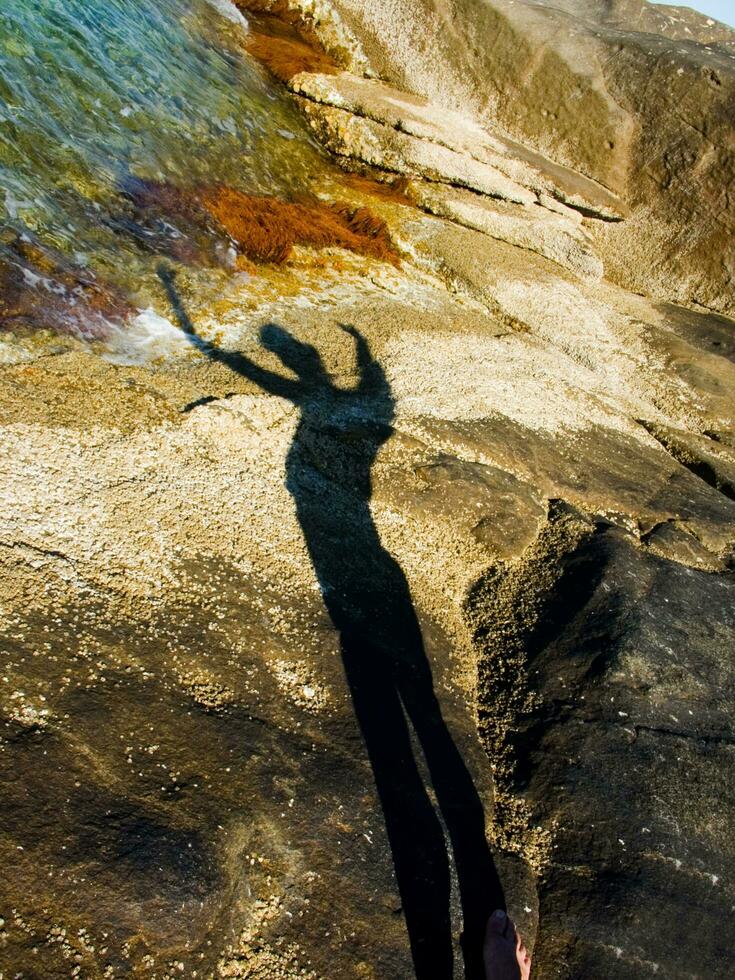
537,461
610,89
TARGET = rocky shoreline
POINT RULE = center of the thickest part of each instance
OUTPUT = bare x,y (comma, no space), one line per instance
546,467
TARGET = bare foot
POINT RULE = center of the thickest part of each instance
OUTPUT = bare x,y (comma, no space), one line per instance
506,958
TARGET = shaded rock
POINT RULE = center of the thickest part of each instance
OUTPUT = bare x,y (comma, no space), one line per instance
674,541
630,729
680,23
712,462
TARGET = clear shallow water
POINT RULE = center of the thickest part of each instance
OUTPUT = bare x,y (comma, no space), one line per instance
95,93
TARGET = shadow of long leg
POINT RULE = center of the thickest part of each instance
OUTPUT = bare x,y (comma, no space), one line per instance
390,677
457,796
461,807
414,831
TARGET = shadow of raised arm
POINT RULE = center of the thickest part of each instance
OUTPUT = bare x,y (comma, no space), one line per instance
372,380
274,384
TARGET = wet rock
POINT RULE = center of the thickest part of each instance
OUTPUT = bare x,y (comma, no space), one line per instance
40,290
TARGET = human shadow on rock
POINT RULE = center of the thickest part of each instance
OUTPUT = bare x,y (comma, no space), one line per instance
328,473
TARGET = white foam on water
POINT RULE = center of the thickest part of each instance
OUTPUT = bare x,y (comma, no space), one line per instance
15,205
30,278
229,11
12,353
144,338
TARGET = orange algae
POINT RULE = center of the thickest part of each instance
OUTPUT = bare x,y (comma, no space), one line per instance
286,58
283,40
266,229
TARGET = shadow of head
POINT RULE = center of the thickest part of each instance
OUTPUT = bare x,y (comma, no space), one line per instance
303,359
